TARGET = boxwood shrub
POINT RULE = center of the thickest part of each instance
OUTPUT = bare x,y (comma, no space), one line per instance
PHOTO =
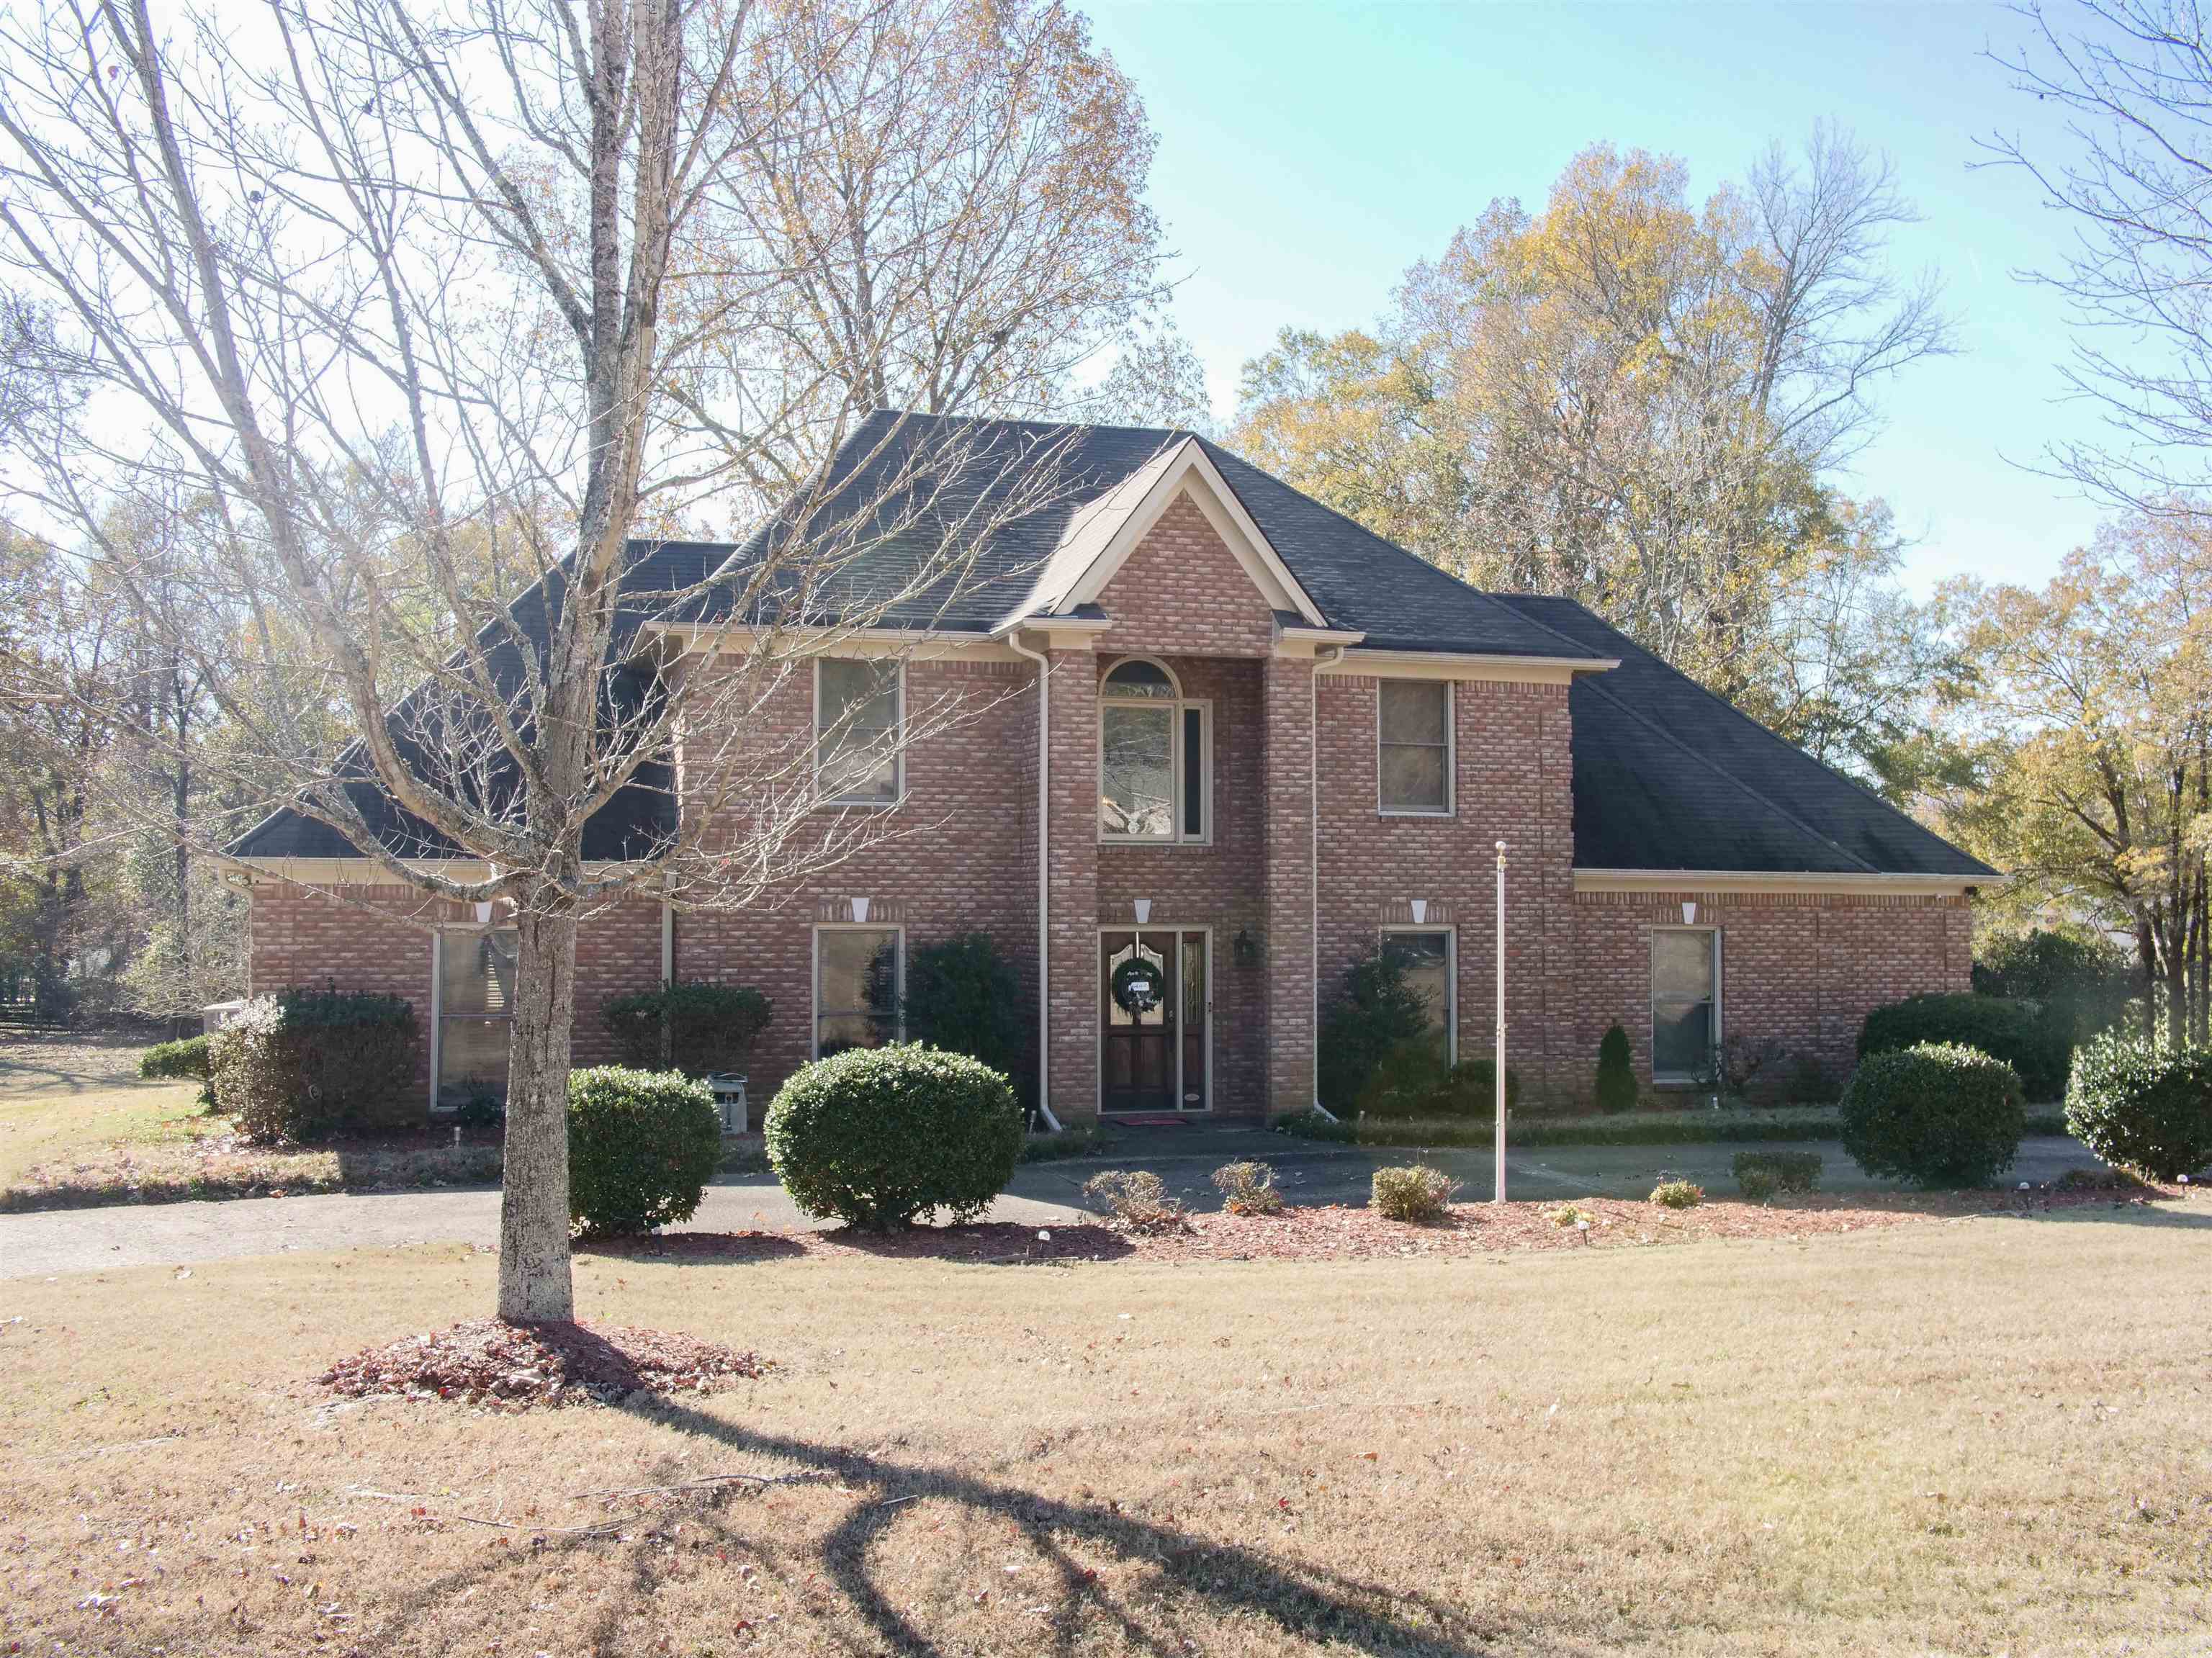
2142,1108
188,1058
880,1137
305,1064
1935,1114
2037,1044
642,1144
706,1028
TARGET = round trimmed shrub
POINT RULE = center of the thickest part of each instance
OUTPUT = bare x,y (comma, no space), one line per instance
2145,1109
642,1144
879,1136
1935,1114
2038,1043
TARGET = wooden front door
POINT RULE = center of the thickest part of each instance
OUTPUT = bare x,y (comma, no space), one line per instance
1152,1021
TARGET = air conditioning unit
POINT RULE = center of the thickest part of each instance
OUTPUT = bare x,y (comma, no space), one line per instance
729,1095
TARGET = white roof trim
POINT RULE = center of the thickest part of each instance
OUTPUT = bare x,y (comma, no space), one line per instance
1100,537
1360,660
1739,880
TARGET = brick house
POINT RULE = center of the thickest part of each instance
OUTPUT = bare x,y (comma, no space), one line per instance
1221,741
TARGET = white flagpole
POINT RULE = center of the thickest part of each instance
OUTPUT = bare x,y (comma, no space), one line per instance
1497,1187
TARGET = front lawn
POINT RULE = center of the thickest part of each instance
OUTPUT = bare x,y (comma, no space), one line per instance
1975,1436
79,1128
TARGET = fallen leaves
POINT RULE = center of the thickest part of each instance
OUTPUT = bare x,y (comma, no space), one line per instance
487,1362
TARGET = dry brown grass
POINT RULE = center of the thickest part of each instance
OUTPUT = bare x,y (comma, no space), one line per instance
79,1127
64,1097
1962,1436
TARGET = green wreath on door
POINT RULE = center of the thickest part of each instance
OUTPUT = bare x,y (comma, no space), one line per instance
1140,985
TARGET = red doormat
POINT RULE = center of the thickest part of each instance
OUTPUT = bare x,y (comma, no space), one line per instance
1147,1122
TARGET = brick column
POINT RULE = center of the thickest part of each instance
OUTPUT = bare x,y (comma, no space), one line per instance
1071,855
1288,727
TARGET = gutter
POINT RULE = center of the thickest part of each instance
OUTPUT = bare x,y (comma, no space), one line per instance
1045,890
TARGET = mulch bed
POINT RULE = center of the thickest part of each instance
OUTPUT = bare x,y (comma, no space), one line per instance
1336,1232
518,1367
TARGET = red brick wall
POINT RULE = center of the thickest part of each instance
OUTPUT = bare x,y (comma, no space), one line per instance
1183,593
1072,833
377,938
961,857
1802,970
1511,782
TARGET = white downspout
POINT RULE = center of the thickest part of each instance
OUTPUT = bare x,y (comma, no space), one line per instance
1045,890
1313,781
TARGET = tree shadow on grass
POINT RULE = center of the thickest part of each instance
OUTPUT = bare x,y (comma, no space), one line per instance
696,1249
1288,1600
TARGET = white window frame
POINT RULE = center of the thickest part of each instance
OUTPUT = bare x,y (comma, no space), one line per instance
865,803
1451,974
1178,706
1450,808
1677,1079
814,978
438,937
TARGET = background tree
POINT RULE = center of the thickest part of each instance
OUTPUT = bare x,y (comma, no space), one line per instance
1635,401
2092,722
946,215
437,307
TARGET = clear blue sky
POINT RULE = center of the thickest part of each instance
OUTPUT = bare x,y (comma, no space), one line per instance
1309,152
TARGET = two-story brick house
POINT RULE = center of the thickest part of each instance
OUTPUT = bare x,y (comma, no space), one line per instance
1223,741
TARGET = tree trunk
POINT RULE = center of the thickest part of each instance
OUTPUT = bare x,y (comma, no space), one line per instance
534,1283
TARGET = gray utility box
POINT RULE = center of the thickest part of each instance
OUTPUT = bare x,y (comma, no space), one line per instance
729,1095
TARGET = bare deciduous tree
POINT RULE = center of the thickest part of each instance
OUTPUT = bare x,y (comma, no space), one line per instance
431,305
2135,171
974,235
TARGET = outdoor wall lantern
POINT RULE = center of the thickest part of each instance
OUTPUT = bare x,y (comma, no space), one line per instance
1245,948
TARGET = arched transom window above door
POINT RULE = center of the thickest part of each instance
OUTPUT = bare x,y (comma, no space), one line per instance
1155,756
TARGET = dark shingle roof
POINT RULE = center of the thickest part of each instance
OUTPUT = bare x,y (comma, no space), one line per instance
641,816
1666,775
1360,582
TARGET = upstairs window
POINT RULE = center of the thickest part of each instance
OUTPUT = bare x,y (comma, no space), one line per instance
1155,757
858,709
1413,735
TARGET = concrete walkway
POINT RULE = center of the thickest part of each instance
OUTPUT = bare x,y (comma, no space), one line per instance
1042,1194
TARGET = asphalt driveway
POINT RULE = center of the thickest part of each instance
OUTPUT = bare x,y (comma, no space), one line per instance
1042,1194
